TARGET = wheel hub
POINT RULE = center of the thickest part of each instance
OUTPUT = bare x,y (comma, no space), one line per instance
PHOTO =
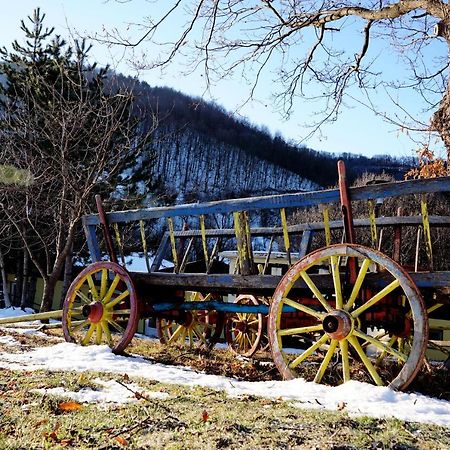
338,324
93,312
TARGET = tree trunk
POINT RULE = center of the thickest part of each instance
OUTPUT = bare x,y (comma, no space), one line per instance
19,280
440,120
48,294
68,270
6,298
24,294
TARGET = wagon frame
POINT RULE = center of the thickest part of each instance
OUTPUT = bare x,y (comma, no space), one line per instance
329,299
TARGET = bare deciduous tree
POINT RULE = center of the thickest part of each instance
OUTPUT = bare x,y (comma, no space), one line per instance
64,124
315,49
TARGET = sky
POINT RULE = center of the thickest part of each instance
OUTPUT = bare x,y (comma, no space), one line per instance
357,130
356,398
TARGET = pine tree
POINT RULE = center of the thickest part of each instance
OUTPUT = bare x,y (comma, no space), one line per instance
66,125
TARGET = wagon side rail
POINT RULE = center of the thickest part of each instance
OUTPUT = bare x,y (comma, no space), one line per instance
301,200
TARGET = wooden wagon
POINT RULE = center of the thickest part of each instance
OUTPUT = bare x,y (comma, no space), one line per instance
340,311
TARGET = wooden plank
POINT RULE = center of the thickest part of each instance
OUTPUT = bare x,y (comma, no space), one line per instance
162,249
305,243
267,283
296,200
92,242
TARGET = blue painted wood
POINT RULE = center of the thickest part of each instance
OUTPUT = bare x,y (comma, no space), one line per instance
305,243
298,200
162,250
92,241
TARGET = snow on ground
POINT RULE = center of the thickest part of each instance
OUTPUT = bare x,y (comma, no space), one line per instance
353,397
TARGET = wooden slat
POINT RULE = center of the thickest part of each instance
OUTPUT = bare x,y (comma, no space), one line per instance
297,200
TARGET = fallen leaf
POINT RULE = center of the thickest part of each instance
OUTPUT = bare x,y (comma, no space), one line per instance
121,441
69,406
205,416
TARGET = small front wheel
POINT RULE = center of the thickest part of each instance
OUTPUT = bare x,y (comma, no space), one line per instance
101,307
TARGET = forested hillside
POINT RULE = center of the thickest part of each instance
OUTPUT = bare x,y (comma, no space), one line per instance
200,151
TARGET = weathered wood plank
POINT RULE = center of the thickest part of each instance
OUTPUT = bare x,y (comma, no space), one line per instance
267,283
297,200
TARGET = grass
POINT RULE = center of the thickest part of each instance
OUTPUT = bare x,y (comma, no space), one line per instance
189,418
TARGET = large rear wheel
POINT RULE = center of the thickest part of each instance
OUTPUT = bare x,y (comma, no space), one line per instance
328,328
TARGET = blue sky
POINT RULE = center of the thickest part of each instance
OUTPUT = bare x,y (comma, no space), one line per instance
357,130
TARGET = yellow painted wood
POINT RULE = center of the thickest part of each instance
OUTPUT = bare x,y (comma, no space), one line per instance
376,298
373,224
383,347
426,230
308,352
287,243
111,290
92,287
337,281
117,300
204,243
300,330
366,361
343,345
172,243
315,290
30,317
358,283
119,242
326,360
303,308
144,244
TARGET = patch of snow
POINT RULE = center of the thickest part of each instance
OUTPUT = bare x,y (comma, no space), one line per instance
109,392
354,397
9,341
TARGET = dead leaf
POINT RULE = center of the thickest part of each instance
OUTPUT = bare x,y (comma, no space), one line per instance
121,441
69,406
205,416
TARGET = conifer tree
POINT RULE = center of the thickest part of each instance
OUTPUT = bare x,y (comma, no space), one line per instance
65,124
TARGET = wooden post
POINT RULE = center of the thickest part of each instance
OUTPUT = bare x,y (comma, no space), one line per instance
243,240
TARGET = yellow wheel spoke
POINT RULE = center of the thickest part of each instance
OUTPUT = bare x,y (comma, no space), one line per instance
103,283
88,335
308,352
111,290
106,331
326,360
358,283
98,334
199,334
315,290
369,366
79,326
176,334
303,308
300,330
376,298
391,343
345,361
116,326
83,297
253,322
117,300
380,345
92,287
336,281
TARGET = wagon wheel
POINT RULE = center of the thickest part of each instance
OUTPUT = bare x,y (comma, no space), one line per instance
243,331
101,307
375,333
201,328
